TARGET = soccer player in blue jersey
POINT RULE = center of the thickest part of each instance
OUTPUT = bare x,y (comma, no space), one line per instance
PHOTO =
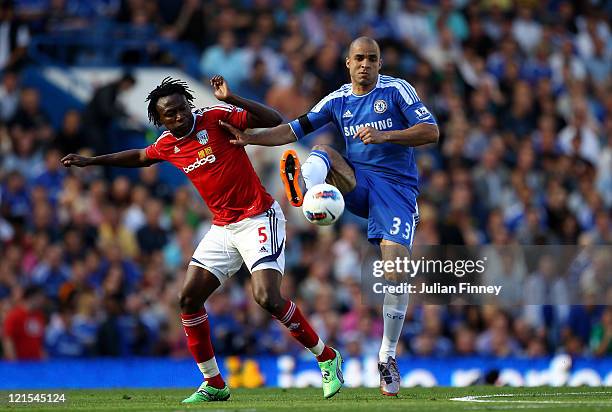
382,120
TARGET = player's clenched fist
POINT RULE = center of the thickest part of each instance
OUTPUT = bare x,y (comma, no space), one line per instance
221,88
75,160
369,135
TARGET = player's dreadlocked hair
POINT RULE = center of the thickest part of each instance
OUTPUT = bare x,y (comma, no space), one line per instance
167,87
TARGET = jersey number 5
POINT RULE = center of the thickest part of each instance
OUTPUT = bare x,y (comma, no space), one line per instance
263,237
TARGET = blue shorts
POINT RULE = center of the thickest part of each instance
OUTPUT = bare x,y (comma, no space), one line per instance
391,208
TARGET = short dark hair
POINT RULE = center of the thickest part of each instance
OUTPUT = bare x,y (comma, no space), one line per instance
128,77
168,86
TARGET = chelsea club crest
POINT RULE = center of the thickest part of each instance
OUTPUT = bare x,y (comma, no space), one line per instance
202,137
380,106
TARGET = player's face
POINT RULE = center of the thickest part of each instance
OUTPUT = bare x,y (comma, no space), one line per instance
175,114
364,64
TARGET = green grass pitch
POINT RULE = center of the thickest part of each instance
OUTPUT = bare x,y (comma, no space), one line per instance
411,399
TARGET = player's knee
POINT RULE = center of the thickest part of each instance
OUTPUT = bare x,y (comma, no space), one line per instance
190,302
323,148
268,300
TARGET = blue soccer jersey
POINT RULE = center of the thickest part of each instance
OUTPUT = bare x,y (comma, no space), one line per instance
386,174
392,105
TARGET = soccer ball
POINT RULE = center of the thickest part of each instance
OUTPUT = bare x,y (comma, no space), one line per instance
323,204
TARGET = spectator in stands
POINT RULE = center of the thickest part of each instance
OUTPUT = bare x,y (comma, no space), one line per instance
15,201
412,27
601,336
152,237
465,341
70,138
579,137
293,96
62,15
103,110
256,50
24,327
582,318
30,118
112,232
546,294
51,273
52,176
497,340
134,216
14,39
225,59
325,69
430,342
351,18
119,194
25,159
61,339
188,25
256,85
312,19
112,339
599,64
9,95
526,30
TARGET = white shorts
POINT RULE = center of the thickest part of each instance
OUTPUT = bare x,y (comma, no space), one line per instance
257,241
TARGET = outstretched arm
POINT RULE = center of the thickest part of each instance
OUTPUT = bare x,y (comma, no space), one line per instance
275,136
258,115
127,158
417,135
285,133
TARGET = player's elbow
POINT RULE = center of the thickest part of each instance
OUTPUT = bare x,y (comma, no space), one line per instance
271,119
275,119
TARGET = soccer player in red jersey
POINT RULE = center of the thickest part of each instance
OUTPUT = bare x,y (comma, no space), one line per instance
248,224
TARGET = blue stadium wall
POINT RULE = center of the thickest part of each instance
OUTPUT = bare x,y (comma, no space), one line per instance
290,372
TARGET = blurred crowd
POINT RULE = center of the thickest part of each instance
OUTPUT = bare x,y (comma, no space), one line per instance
91,265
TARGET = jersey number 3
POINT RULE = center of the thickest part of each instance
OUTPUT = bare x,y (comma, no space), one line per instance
395,228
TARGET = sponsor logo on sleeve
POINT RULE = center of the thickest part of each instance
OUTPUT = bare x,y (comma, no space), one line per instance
422,113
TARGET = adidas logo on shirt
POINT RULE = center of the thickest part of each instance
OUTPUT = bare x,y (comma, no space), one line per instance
263,249
347,114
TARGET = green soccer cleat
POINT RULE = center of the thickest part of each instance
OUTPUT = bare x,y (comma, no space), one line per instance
332,375
207,393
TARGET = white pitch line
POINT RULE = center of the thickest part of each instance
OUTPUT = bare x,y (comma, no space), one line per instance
479,398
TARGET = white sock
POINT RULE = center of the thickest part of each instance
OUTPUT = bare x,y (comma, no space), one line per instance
209,368
394,312
315,168
318,348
